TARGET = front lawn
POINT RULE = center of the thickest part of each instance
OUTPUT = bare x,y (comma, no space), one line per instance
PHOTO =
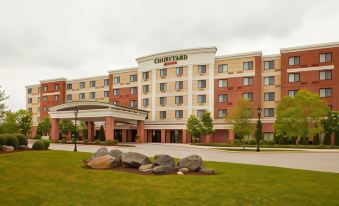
58,178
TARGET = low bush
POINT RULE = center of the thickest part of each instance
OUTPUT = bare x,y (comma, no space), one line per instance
237,142
110,142
22,139
38,145
46,143
116,141
252,142
37,137
270,142
3,140
97,141
85,141
64,141
12,140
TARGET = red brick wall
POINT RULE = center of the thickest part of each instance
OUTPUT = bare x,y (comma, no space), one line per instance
124,96
50,98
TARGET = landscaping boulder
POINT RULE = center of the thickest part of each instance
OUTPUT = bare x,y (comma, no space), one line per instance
22,147
164,160
193,162
184,170
7,148
180,173
134,159
100,152
146,168
161,170
115,153
207,171
103,162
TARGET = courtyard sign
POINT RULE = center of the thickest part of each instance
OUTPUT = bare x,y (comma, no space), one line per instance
170,59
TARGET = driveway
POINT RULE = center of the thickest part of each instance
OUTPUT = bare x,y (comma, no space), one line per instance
326,160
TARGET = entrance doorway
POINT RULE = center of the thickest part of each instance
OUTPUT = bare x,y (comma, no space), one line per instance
118,135
176,136
133,134
156,136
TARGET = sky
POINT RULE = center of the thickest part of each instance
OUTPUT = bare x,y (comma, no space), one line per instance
79,38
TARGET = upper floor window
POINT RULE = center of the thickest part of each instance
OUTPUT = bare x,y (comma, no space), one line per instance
179,85
45,98
56,97
248,65
116,80
295,60
29,91
294,77
269,80
200,112
81,96
162,114
201,84
145,102
201,98
106,93
145,88
82,85
248,96
268,112
133,90
269,96
222,113
56,87
69,97
45,109
106,82
325,92
222,83
179,99
179,70
30,110
92,83
292,93
162,101
145,75
69,86
269,64
248,81
222,98
133,104
92,95
45,88
201,69
162,87
116,92
29,100
325,75
325,57
179,113
38,99
163,72
133,78
222,68
38,89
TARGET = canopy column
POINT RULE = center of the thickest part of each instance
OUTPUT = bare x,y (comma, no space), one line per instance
55,130
109,130
141,131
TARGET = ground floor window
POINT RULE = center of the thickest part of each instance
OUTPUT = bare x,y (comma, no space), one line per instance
268,136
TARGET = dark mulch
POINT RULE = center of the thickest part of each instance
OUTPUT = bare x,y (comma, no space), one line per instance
17,150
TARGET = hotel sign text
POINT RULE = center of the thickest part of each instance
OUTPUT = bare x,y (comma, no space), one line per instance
170,59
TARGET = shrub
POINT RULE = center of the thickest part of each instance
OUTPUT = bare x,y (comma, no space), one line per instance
3,140
109,142
46,143
22,139
116,141
237,142
64,141
252,142
38,145
37,137
97,141
12,140
85,141
316,140
270,142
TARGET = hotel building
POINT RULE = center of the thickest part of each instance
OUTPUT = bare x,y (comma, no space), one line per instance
173,85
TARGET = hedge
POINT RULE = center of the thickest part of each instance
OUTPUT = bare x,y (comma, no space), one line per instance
22,139
13,141
38,145
46,143
3,140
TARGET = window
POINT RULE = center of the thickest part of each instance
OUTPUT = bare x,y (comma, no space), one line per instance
106,93
133,90
248,96
133,78
179,99
116,80
162,87
201,98
116,92
145,75
92,83
201,84
29,100
268,112
145,88
38,89
248,81
248,65
106,82
222,82
201,69
163,72
269,96
81,96
292,93
222,113
326,57
222,68
326,92
133,104
45,109
92,95
56,87
294,60
222,98
145,102
29,91
162,114
294,77
268,136
179,85
269,80
38,109
45,98
38,99
30,110
116,102
269,65
325,75
179,70
179,113
162,101
69,97
56,97
82,85
45,88
200,112
69,86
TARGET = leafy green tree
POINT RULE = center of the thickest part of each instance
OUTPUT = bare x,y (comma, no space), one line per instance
3,97
66,126
301,115
258,134
206,126
24,120
44,126
193,127
240,117
331,123
101,133
82,130
10,123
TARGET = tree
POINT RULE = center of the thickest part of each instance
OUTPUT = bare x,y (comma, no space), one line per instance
10,123
193,127
3,97
331,124
65,127
301,115
206,126
44,126
101,133
24,120
82,129
240,116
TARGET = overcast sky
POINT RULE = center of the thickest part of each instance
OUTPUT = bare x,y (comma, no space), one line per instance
67,38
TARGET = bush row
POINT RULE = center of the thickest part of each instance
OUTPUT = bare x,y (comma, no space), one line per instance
41,144
14,140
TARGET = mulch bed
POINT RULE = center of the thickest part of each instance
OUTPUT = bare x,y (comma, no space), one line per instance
17,150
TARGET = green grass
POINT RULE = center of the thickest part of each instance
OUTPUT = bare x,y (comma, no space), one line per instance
273,146
57,178
254,150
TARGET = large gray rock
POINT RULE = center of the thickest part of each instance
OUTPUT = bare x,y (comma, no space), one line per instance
164,160
22,147
103,162
115,153
146,168
184,170
134,159
161,170
100,152
193,162
7,148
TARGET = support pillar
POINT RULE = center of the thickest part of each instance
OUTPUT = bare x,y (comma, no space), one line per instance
90,131
208,138
163,136
55,130
109,130
184,136
141,131
231,136
168,136
124,135
332,138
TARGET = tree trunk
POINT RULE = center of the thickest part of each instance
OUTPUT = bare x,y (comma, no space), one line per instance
332,137
298,140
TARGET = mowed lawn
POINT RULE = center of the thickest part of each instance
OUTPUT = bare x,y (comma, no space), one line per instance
58,178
